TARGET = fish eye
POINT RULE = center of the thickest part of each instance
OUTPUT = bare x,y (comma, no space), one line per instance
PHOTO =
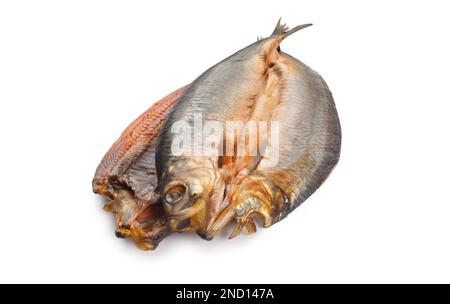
195,195
175,194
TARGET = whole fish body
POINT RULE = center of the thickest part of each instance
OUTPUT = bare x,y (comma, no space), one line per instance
259,82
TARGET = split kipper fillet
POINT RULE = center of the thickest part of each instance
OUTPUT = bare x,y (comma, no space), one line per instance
155,191
127,176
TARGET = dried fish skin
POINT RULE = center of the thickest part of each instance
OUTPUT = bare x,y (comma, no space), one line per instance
138,138
127,178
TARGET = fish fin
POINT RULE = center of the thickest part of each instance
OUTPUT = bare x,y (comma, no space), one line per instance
283,30
280,28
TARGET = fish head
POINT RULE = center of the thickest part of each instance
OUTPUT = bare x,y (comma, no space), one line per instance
186,189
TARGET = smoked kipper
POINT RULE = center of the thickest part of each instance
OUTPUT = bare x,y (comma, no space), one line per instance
272,98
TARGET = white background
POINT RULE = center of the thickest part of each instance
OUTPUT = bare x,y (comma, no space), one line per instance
73,74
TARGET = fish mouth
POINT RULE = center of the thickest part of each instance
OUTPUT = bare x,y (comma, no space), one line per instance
122,232
181,220
180,225
188,212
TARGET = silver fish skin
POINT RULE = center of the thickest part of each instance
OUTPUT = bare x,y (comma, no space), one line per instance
310,144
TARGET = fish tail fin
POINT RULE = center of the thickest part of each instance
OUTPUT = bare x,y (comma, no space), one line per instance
283,30
272,44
